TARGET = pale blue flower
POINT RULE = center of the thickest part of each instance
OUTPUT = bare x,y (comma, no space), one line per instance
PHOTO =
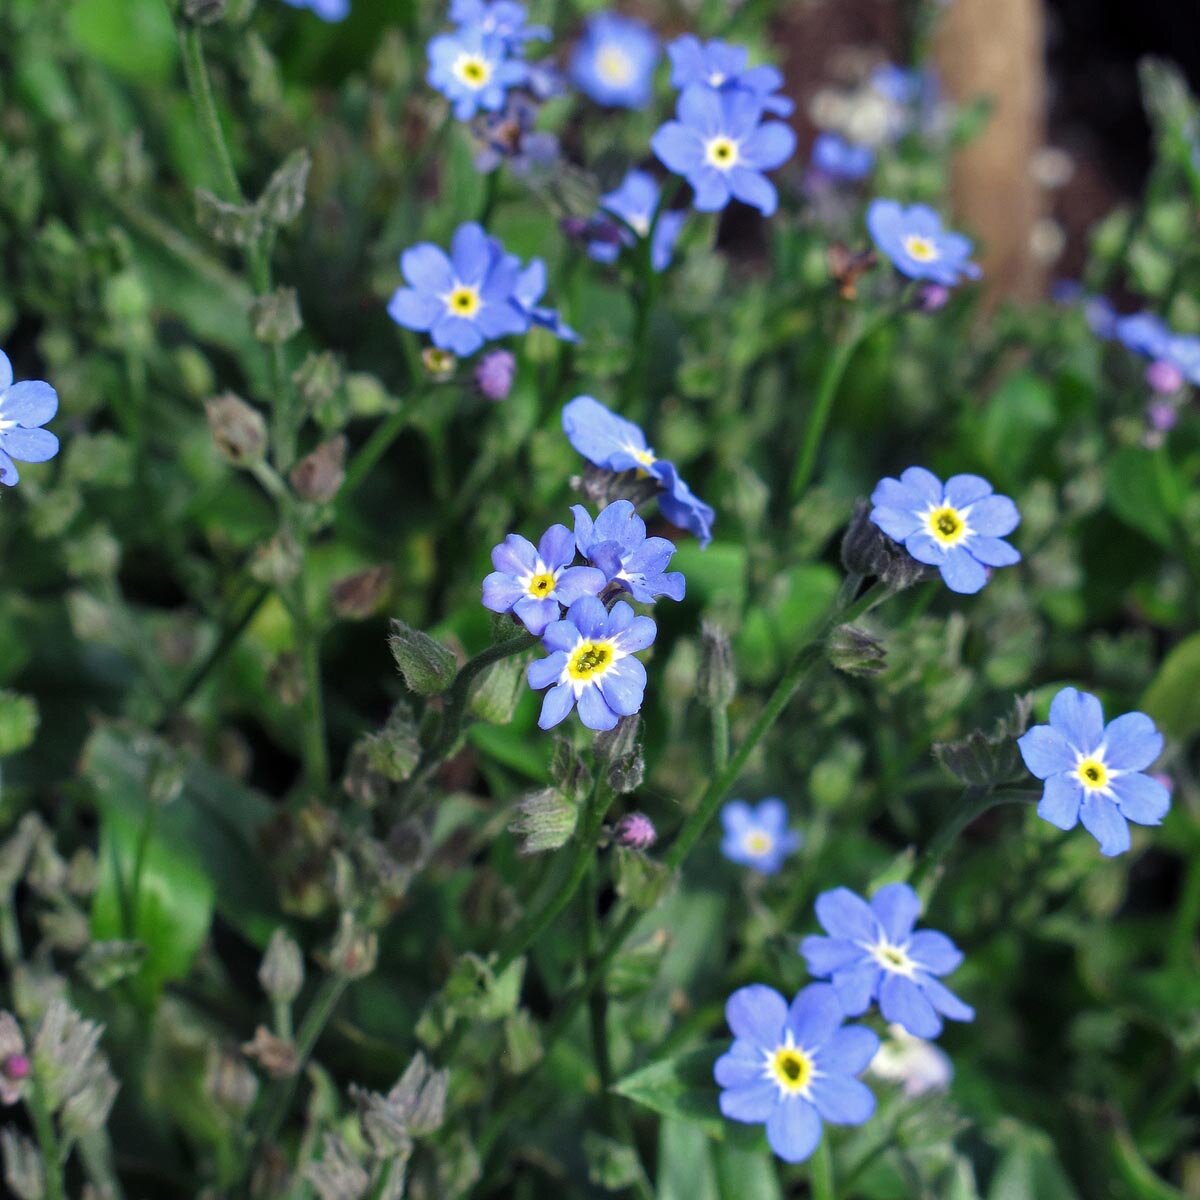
614,61
24,408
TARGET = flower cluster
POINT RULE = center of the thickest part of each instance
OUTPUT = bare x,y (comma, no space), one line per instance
718,141
475,66
618,445
629,214
477,293
24,408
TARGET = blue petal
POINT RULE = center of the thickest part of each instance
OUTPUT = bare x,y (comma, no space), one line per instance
576,582
740,1065
536,614
677,147
753,189
501,591
794,1129
1131,742
857,986
848,1051
813,1015
753,1103
961,572
1045,751
1141,798
945,1001
934,952
773,815
902,1001
6,372
29,445
546,671
842,1100
594,712
556,547
737,816
897,524
769,146
897,906
825,955
757,1014
415,310
515,555
561,635
995,516
843,914
427,269
558,703
30,403
589,616
923,482
1080,717
598,434
1103,820
624,686
992,552
1060,801
640,634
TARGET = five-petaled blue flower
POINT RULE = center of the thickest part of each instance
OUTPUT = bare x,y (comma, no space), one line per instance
718,65
615,444
758,836
957,528
504,19
532,582
616,542
917,245
24,408
872,953
835,158
614,61
462,300
591,664
327,10
530,287
473,70
719,145
1094,772
635,203
792,1066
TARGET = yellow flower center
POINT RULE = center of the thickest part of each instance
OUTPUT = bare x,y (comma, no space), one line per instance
946,524
920,248
589,660
540,586
722,153
792,1069
613,65
1092,773
464,301
472,70
759,843
893,958
645,457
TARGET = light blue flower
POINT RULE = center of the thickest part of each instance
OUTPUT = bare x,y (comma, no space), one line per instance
872,953
618,445
719,146
917,245
591,664
616,542
835,158
718,65
957,527
758,836
635,203
472,70
531,582
1095,772
531,286
792,1066
1153,338
462,300
498,18
327,10
24,408
614,61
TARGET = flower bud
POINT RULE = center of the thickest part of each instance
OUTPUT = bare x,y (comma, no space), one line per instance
495,373
319,476
545,821
238,430
230,1083
855,651
439,365
275,318
274,1054
932,297
718,675
338,1175
358,596
641,881
618,748
355,949
282,971
636,831
23,1171
864,547
15,1066
1164,377
428,667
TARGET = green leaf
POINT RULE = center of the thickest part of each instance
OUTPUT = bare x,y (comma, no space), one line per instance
682,1087
746,1174
1172,698
1133,486
717,574
685,1164
18,722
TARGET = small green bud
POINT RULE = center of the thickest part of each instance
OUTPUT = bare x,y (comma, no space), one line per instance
619,750
18,722
355,949
718,675
275,1055
339,1175
983,760
522,1043
641,881
278,561
569,772
319,381
282,971
229,224
15,852
275,318
283,197
544,821
229,1082
238,430
864,546
319,476
428,667
498,690
611,1165
855,651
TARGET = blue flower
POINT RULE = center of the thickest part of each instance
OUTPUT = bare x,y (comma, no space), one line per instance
614,61
472,70
591,664
616,542
618,445
836,158
531,582
1094,772
1151,337
509,136
498,18
913,239
719,146
531,284
792,1066
24,408
758,837
462,300
957,528
721,66
872,953
634,203
327,10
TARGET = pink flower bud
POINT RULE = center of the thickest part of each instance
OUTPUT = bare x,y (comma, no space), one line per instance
636,831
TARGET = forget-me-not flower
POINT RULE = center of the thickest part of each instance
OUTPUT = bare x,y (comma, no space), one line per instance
1094,772
758,836
530,287
957,528
327,10
719,65
464,299
917,245
615,444
719,144
504,19
836,158
635,203
591,664
614,61
1175,355
617,544
872,953
532,581
473,70
792,1066
24,408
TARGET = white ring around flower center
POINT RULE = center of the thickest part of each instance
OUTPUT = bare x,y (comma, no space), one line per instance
947,525
791,1068
722,152
614,66
589,661
892,958
473,71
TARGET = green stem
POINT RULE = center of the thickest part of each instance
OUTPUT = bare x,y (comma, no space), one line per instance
720,737
820,1172
200,87
373,449
827,389
10,931
308,641
47,1139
